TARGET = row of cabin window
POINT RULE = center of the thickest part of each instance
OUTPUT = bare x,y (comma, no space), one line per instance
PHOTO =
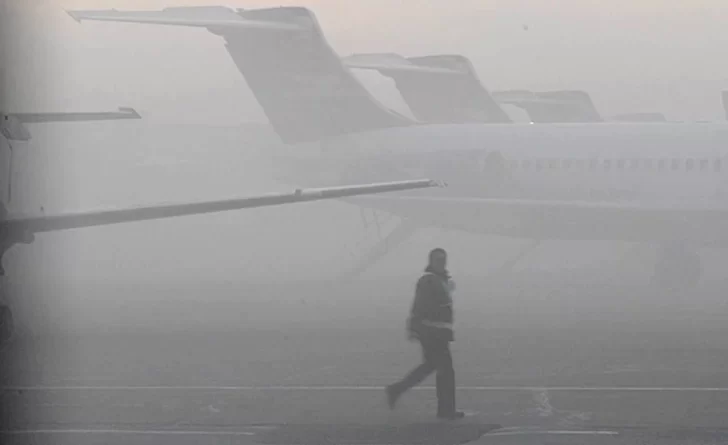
703,165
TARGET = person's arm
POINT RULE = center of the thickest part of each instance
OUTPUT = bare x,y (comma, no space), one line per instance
419,309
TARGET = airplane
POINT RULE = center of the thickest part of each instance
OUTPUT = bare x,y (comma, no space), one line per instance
652,185
445,88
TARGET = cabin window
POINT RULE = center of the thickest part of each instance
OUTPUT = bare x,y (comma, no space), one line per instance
539,164
593,164
704,164
567,163
607,164
675,164
513,165
689,164
526,164
647,164
717,165
579,163
661,164
553,163
620,164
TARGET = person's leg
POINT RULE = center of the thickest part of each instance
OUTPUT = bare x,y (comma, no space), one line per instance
414,377
445,382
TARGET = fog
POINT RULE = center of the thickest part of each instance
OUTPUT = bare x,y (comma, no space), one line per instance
203,326
196,141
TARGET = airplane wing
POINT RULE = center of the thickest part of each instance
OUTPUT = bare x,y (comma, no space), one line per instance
564,220
45,223
219,17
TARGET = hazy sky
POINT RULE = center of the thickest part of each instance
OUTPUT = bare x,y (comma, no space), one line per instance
631,55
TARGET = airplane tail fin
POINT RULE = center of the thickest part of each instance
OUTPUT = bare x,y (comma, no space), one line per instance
438,89
300,82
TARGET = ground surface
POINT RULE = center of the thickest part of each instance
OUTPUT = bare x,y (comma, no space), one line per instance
319,385
307,365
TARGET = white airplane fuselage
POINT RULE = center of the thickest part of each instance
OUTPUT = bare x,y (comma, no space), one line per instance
628,182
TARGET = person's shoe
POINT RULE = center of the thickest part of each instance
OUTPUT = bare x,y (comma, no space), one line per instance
455,415
391,396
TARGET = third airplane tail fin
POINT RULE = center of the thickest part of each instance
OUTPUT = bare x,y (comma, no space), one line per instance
301,83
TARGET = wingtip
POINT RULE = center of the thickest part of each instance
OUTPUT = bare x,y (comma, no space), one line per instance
74,15
131,112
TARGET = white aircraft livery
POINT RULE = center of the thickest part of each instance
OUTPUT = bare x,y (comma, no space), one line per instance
658,183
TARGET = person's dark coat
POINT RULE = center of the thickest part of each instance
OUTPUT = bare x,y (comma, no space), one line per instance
431,316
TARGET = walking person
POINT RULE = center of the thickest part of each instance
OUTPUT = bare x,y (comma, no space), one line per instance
431,323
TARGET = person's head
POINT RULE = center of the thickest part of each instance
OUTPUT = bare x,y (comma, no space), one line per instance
437,260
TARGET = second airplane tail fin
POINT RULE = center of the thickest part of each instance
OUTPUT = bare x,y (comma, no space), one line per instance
438,89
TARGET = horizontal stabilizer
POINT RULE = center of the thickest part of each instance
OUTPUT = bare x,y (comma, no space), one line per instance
12,125
43,223
552,106
122,113
217,17
546,97
390,62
